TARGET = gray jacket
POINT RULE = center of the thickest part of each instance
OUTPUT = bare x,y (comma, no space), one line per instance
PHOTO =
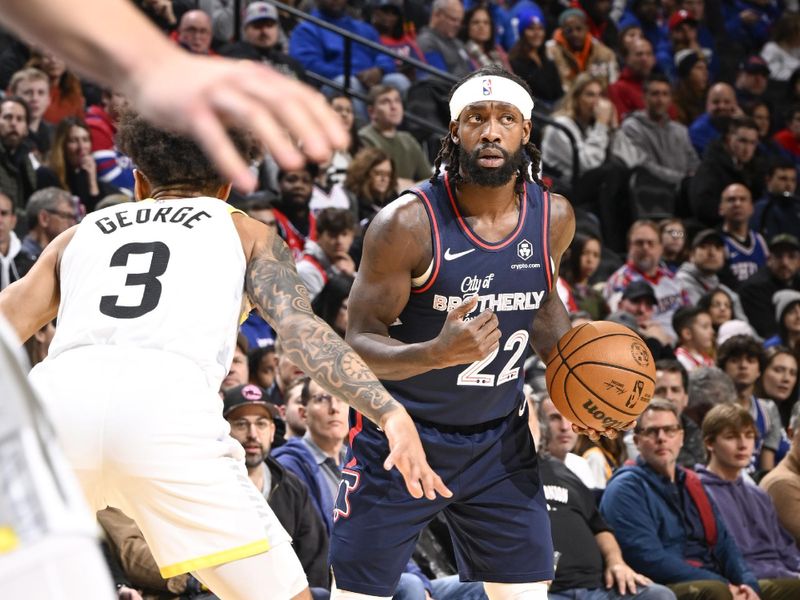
669,152
696,284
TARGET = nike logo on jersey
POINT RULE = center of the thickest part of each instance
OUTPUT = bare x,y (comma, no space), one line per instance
454,255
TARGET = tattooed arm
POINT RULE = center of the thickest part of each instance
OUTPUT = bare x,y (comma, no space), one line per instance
272,285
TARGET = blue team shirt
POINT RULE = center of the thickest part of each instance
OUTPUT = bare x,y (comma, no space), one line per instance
512,277
745,259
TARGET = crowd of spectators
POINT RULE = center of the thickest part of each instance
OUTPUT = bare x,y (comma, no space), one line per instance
684,121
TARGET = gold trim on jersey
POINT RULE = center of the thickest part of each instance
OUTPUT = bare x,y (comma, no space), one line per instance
218,558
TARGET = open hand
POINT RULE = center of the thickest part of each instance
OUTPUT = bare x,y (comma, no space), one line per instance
625,578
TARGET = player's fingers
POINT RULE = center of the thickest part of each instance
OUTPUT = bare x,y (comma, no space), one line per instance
463,309
611,433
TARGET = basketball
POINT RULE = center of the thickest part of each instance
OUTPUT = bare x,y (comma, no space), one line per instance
601,375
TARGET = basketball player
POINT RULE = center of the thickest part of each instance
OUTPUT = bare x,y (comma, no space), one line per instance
453,289
148,295
113,43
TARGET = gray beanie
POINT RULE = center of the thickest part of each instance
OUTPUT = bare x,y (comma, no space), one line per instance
782,299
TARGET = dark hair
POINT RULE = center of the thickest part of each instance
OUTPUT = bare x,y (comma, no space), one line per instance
670,365
656,77
167,158
770,354
738,346
58,158
21,101
685,317
742,122
256,354
358,182
706,299
779,163
305,393
335,221
310,168
448,153
355,141
463,34
571,264
327,303
242,343
791,112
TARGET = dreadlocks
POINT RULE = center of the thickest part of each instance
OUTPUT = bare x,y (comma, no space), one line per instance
448,152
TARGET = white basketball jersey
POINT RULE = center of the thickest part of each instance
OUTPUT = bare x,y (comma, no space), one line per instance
167,275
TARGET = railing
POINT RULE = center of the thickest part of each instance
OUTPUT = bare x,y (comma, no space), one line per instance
350,38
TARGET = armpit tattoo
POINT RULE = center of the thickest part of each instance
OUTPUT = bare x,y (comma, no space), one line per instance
275,288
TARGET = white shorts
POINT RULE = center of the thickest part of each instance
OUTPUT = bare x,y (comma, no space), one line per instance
145,434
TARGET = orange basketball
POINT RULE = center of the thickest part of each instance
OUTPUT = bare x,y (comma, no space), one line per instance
601,375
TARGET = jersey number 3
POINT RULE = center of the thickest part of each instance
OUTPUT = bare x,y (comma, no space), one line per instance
152,286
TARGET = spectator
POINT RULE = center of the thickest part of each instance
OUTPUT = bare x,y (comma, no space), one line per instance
318,457
760,112
329,254
601,25
286,373
646,15
575,51
719,304
530,61
635,310
769,552
787,316
789,137
50,212
742,359
195,32
644,263
295,426
730,160
558,441
673,241
751,80
261,365
627,93
778,381
322,51
748,22
782,52
239,372
14,261
340,162
783,482
72,166
296,222
691,85
371,182
745,250
385,108
695,338
478,36
720,107
113,167
683,35
781,272
66,97
672,383
33,86
330,305
778,211
700,274
439,40
708,386
578,267
602,181
252,419
17,175
669,153
262,41
664,521
604,456
388,20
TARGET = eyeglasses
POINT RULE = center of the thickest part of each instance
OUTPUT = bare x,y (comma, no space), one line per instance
652,432
676,233
64,214
242,426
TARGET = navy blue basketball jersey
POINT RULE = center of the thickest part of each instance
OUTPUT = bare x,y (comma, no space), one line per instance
512,277
744,259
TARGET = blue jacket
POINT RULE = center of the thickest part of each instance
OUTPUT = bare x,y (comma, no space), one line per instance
648,521
297,458
322,51
755,35
702,132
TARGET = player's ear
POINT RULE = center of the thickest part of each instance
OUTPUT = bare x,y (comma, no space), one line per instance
141,185
527,126
454,131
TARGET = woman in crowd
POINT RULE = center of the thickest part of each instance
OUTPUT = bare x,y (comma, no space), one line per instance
689,95
477,33
341,159
577,268
604,456
530,61
371,182
673,241
66,97
782,52
72,166
627,37
778,381
719,304
787,315
760,112
262,362
330,305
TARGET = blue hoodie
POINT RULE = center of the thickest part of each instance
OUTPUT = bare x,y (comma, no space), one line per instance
658,528
748,513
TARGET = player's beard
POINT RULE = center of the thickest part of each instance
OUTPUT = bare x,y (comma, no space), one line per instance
472,172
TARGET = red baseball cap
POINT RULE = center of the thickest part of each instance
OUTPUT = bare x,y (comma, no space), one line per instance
679,17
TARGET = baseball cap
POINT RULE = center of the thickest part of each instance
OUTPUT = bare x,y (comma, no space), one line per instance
783,299
679,17
260,11
708,236
754,65
244,395
639,289
784,240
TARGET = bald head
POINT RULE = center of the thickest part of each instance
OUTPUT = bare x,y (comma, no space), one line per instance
721,101
194,31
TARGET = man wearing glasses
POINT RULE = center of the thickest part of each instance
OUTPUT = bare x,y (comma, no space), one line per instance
664,521
49,212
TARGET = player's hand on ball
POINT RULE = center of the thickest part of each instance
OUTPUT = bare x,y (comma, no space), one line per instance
461,342
595,434
406,453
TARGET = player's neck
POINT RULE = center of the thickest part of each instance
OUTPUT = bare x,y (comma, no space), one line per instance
475,199
177,192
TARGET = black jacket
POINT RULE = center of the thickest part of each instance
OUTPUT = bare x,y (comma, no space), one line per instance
756,296
289,500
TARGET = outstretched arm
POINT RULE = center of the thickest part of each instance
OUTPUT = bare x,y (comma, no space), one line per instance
191,94
274,287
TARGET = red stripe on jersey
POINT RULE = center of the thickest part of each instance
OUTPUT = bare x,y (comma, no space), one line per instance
354,431
546,237
436,244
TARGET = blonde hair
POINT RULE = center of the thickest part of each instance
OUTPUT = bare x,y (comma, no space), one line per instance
570,102
27,74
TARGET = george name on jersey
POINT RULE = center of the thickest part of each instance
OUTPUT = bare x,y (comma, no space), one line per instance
187,216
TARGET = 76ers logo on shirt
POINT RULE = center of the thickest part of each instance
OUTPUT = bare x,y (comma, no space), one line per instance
487,87
349,483
524,249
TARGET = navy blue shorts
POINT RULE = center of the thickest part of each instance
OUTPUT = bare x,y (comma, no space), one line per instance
497,516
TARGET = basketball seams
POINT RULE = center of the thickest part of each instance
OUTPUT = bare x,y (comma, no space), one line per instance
634,337
566,396
600,398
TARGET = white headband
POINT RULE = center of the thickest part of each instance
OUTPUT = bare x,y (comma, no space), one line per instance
482,89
